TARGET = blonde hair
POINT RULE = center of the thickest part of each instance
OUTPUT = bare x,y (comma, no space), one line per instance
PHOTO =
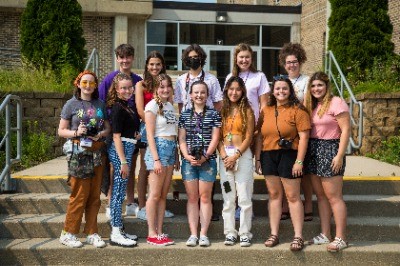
311,102
240,48
157,84
112,95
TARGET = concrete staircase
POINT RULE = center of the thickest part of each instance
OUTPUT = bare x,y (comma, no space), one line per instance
31,222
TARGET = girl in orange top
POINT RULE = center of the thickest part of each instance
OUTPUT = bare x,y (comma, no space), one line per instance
236,161
284,126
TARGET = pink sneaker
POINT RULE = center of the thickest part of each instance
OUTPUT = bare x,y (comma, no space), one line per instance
168,240
157,241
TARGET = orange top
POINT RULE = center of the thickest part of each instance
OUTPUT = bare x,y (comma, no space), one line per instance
291,120
232,125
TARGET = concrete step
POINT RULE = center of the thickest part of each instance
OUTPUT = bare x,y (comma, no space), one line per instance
40,203
352,185
47,251
50,225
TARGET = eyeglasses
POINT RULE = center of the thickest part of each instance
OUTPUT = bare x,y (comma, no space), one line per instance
294,62
84,83
280,77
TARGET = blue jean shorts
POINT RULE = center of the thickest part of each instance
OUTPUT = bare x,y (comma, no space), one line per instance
143,132
206,172
166,151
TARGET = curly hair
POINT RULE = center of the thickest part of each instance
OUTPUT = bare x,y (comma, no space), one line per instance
243,103
293,101
148,79
112,92
124,50
156,97
311,102
295,49
194,47
240,48
77,81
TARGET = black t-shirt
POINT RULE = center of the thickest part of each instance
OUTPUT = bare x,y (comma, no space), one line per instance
125,120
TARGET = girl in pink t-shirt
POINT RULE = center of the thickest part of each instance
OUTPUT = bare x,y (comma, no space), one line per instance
325,160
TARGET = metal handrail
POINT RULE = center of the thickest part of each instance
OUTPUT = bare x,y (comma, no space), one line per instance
341,84
94,61
5,176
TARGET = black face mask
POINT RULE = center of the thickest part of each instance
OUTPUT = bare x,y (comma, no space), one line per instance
193,63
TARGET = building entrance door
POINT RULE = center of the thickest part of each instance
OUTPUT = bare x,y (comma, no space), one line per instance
219,62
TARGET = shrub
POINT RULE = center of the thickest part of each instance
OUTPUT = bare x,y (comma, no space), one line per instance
52,34
389,151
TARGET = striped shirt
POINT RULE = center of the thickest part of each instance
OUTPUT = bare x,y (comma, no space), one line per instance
199,129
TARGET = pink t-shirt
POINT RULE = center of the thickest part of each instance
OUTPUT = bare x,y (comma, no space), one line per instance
327,127
256,85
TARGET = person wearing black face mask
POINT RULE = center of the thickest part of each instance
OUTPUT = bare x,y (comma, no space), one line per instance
194,57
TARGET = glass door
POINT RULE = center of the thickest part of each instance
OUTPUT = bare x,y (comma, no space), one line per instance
219,62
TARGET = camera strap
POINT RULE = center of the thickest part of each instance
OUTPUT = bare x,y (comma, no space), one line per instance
276,122
201,125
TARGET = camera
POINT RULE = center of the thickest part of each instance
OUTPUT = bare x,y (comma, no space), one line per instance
285,144
196,152
91,131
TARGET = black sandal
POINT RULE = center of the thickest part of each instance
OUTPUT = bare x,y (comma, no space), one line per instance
297,244
308,217
272,241
285,216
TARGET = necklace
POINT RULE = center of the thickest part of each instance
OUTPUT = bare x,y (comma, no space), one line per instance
247,76
296,79
229,135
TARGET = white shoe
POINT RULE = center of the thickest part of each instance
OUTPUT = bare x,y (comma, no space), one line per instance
133,237
168,214
108,213
204,241
141,214
131,209
70,240
192,241
245,241
117,238
95,240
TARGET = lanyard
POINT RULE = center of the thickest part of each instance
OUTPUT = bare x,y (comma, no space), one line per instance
187,88
200,124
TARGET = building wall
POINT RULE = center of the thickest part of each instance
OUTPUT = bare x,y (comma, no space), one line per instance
9,39
394,13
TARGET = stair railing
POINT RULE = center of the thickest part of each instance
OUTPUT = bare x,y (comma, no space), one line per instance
8,103
337,78
93,62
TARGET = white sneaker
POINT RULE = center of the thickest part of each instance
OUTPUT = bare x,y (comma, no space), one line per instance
95,240
108,213
117,238
192,241
141,214
168,214
133,237
230,240
70,240
245,241
131,209
204,241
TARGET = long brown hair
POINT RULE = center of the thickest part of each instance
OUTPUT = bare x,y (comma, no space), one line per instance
157,84
312,102
148,79
240,48
243,104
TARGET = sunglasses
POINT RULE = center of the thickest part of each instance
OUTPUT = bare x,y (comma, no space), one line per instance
84,83
280,77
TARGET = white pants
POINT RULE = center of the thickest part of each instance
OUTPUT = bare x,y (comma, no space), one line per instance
241,183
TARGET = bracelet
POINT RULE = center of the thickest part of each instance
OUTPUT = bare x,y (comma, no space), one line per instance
124,162
156,160
76,133
225,157
258,160
238,151
299,162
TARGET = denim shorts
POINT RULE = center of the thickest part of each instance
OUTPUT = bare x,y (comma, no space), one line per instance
206,172
143,132
166,152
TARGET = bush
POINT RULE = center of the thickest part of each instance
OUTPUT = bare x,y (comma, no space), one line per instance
52,34
360,31
389,151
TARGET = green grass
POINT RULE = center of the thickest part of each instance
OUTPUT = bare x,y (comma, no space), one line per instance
389,151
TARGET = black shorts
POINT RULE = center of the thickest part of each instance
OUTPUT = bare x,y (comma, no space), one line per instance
278,163
320,154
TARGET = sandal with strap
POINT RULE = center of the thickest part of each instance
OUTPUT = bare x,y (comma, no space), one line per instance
272,241
319,240
308,217
285,216
337,245
297,244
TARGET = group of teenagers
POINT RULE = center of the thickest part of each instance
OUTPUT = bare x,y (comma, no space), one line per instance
294,133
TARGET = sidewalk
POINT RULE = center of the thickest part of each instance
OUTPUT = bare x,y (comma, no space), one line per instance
357,167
